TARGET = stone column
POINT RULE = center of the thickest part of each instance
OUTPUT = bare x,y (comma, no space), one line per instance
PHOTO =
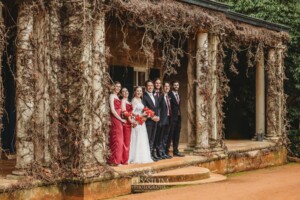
281,96
42,98
260,95
2,42
86,111
100,101
53,73
202,140
191,97
25,89
272,97
214,79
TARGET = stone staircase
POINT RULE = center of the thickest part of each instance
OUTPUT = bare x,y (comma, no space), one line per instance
190,175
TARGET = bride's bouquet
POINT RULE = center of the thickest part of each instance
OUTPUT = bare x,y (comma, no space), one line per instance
139,119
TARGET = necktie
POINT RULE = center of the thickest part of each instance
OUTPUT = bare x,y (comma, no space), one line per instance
168,105
177,98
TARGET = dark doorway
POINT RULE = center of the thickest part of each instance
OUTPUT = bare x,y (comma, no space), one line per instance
8,70
124,75
240,104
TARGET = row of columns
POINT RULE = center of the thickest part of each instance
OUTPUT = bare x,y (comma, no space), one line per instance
205,106
203,126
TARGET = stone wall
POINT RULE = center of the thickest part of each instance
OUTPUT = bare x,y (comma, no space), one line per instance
248,160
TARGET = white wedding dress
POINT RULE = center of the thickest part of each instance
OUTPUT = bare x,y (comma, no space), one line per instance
139,151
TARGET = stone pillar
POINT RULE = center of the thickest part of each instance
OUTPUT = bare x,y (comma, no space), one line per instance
42,65
2,42
202,140
86,111
260,95
191,97
281,96
53,74
272,97
213,41
25,89
100,102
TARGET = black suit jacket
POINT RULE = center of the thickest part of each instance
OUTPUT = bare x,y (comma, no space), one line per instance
163,111
175,107
149,103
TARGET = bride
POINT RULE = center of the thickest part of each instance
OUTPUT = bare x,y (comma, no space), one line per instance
139,144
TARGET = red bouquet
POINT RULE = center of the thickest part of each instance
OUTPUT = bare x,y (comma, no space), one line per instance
126,114
139,119
149,112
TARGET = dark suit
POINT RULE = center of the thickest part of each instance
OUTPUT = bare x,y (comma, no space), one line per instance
164,125
174,133
150,124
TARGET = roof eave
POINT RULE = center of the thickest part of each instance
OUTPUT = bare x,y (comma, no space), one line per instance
217,6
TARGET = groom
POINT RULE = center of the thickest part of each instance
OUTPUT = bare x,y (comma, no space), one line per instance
151,101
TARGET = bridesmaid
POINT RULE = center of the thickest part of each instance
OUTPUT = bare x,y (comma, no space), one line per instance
116,141
126,107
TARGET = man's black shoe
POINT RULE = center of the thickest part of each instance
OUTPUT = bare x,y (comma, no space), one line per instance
178,155
155,156
155,160
168,156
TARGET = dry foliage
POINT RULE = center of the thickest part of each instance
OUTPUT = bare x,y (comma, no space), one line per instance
61,61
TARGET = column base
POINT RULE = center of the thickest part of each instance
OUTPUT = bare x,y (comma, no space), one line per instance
202,151
258,137
189,148
17,174
273,138
216,152
88,171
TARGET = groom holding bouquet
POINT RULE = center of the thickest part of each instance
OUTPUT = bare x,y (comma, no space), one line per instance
150,101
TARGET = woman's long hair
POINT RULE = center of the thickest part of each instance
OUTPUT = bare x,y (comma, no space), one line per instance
115,83
134,91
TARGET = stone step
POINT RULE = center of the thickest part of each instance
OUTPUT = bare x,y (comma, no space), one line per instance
178,177
191,173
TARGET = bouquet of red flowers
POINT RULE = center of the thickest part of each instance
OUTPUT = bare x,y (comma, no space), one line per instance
149,112
139,119
126,114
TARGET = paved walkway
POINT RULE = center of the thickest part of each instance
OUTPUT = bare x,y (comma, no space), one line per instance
275,183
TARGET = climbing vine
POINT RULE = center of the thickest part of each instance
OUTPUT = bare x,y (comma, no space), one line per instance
64,84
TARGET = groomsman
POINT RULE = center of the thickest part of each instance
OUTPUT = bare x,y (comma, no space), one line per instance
157,87
157,93
151,101
165,121
174,133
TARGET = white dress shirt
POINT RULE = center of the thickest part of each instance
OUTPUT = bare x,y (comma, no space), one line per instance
152,97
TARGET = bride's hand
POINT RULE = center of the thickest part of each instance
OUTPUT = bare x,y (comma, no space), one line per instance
123,121
133,125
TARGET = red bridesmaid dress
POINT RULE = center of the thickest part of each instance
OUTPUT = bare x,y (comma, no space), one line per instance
126,134
116,141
